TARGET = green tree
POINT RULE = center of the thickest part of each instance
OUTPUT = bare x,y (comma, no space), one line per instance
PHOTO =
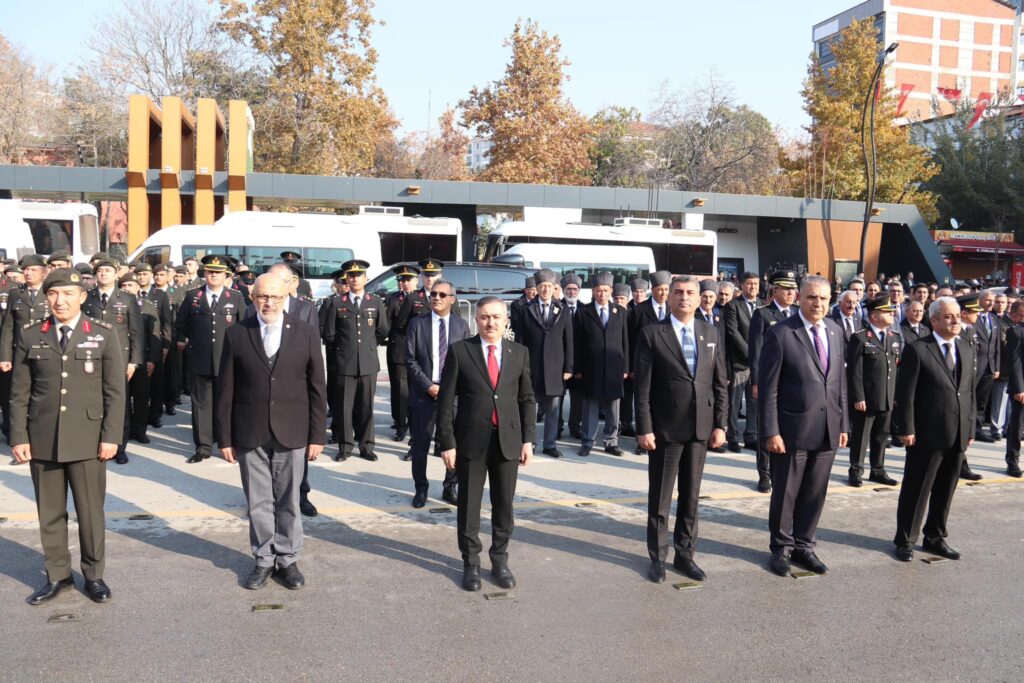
830,164
538,135
624,153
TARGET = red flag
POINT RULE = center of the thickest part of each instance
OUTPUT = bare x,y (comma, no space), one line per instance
984,99
905,90
951,94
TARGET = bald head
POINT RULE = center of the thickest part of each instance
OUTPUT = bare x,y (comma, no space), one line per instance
284,271
269,293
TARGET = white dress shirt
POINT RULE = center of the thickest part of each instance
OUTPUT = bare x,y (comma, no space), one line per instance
73,323
942,343
435,352
274,341
497,351
823,336
210,294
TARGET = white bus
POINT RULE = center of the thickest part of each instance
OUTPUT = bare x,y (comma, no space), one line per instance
15,234
72,227
689,252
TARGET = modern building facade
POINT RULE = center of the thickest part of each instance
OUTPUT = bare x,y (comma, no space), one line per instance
478,154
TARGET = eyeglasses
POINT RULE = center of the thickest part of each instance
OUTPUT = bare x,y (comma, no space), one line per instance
263,298
439,295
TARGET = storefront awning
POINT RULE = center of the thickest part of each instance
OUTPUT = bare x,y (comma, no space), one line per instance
983,247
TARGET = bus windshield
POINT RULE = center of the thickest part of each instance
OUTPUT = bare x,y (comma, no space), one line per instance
317,262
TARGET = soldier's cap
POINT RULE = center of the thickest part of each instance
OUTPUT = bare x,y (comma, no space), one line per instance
8,262
602,279
405,271
99,256
181,269
32,260
59,255
621,289
973,283
531,283
13,270
571,279
545,275
338,275
215,263
969,302
660,277
639,283
708,286
290,256
83,268
784,278
247,277
882,304
127,277
431,265
62,277
105,262
143,267
355,267
1011,291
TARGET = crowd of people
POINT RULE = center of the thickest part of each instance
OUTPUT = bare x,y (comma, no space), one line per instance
682,365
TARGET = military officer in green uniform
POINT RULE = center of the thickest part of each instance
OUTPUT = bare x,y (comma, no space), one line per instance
340,289
407,303
67,417
355,326
138,403
121,311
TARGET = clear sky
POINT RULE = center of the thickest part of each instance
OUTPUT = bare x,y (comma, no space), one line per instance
620,51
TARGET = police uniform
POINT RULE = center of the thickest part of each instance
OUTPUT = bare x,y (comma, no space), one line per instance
872,357
293,258
355,325
66,399
202,318
23,306
401,308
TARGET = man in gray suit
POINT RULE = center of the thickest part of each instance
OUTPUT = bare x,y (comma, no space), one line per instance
271,417
801,384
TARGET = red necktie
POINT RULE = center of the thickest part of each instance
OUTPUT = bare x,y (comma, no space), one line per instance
492,372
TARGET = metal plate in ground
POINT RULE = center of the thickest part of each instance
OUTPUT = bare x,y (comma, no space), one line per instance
500,595
267,608
934,559
686,585
883,488
62,618
803,574
141,516
586,505
439,511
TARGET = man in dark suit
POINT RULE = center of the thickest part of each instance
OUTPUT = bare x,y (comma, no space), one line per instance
571,290
802,400
1015,357
872,356
913,327
779,308
516,307
998,407
653,310
546,330
203,317
146,276
708,309
682,401
67,417
935,412
847,314
987,333
427,343
271,418
601,363
402,307
736,318
490,434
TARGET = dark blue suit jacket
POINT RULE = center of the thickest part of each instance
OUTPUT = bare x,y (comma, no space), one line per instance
796,398
419,361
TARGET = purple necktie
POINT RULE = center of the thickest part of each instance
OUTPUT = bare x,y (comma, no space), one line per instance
820,348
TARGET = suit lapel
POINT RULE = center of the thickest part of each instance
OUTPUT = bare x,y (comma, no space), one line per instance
804,339
672,343
506,358
476,353
937,353
257,340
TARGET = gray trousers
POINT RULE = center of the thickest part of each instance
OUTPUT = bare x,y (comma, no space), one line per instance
548,407
591,408
271,476
739,389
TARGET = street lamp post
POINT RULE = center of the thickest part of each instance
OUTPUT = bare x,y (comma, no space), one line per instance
870,165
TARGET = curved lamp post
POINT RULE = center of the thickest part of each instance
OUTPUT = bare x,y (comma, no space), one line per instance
870,165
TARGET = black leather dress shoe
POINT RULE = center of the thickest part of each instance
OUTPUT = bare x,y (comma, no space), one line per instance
143,439
780,564
97,591
627,431
471,578
503,576
657,572
306,508
408,456
400,434
855,481
291,577
576,434
1013,470
157,423
614,450
941,548
368,455
553,452
332,439
996,436
751,446
170,411
121,458
717,450
50,590
341,456
904,553
808,560
983,437
689,568
641,451
584,452
882,477
966,473
734,447
450,495
764,483
419,499
258,577
198,457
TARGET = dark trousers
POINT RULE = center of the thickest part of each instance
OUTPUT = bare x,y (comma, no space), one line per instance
5,399
868,427
799,485
982,393
742,391
668,460
201,388
472,474
575,412
138,408
332,380
352,419
422,413
929,480
172,377
156,391
399,382
626,406
127,433
88,481
1013,428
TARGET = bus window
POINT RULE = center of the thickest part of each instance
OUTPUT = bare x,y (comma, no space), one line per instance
389,285
154,256
260,258
499,281
320,262
50,236
396,247
690,259
89,235
198,251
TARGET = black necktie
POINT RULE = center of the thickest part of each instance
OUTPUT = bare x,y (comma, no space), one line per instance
65,332
103,300
32,296
213,300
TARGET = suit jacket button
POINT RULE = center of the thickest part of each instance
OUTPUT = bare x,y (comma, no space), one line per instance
495,397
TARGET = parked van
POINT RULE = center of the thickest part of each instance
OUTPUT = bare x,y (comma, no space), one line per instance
15,234
54,226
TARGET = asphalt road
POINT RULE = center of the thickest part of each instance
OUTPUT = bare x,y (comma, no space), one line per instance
383,601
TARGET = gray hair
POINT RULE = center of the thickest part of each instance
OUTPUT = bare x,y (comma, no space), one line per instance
855,280
848,294
726,284
487,300
684,279
936,306
814,281
281,270
442,281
